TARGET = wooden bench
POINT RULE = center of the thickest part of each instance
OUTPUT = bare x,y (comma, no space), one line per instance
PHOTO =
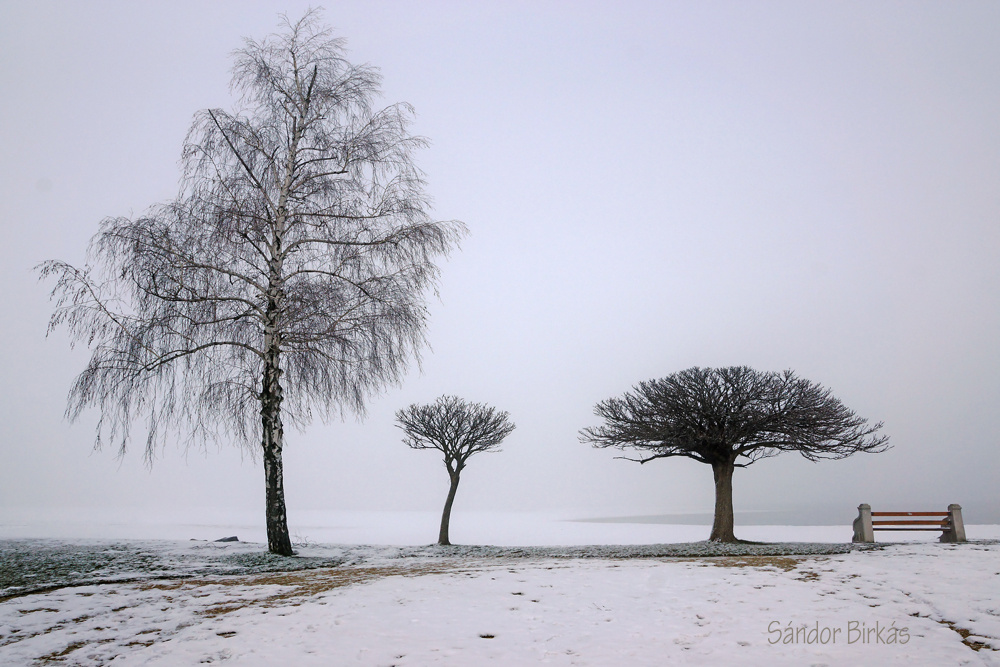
948,523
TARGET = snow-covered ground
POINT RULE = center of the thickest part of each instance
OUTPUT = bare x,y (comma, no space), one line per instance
190,602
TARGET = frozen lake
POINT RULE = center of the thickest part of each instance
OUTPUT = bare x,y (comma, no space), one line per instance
415,528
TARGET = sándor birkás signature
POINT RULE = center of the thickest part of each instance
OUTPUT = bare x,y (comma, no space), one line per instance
855,632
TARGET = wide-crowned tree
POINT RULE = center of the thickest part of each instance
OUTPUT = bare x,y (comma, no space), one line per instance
287,278
458,429
730,418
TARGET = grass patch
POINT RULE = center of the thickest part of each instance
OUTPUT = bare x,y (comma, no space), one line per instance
965,634
60,656
298,584
785,563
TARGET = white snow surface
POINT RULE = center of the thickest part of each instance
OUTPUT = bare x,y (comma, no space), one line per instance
903,604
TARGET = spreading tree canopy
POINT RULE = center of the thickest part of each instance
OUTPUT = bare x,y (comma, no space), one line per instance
287,278
729,418
458,429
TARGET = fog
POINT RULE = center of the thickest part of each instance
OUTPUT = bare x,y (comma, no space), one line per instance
648,187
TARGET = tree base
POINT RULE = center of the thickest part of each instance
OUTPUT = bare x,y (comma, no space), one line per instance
735,540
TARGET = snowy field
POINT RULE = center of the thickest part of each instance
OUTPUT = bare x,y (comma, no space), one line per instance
808,600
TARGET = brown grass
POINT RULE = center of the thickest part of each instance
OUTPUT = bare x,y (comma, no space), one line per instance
786,563
965,634
298,585
60,656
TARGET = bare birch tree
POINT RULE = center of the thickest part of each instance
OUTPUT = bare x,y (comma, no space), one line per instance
458,430
730,418
287,278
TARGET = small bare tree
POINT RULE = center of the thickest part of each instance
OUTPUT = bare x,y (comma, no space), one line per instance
286,278
730,418
458,430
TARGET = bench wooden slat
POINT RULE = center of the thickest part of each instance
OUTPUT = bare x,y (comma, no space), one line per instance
908,522
936,530
909,514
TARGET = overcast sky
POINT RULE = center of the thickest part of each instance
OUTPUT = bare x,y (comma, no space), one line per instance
649,186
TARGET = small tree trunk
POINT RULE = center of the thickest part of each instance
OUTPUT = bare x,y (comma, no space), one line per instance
722,527
278,541
446,515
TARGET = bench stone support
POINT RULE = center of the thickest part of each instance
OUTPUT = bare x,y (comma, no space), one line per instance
863,524
956,530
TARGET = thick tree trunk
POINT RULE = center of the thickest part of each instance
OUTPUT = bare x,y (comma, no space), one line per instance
446,515
722,527
278,541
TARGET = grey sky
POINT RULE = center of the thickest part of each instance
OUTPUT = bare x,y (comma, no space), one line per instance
649,187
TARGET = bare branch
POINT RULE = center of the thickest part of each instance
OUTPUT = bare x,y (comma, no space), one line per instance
288,277
455,428
721,414
730,418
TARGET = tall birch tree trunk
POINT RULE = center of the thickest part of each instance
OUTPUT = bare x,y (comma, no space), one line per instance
278,541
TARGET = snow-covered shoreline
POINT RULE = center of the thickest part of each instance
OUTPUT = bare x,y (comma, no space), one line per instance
37,565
